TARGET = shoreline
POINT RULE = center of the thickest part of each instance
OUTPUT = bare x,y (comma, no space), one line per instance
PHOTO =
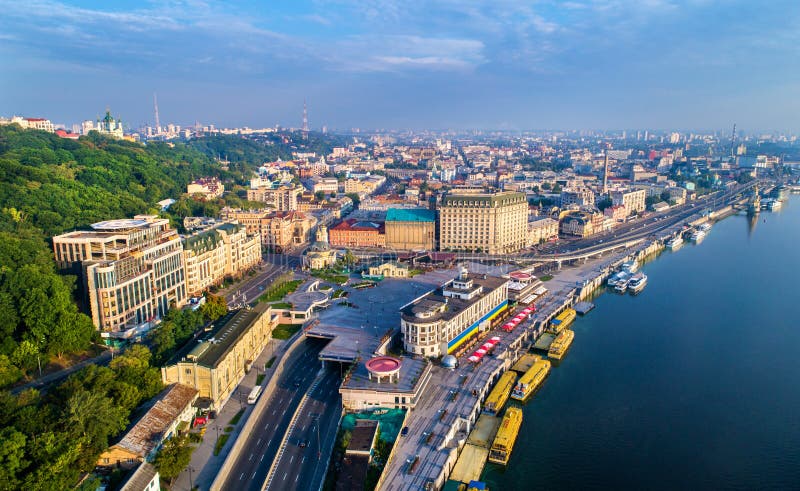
574,284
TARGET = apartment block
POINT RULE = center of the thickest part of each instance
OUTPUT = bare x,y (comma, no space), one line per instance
223,251
358,233
633,201
542,230
282,197
132,272
411,229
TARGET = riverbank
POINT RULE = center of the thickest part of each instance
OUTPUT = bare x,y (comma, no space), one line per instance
449,409
689,385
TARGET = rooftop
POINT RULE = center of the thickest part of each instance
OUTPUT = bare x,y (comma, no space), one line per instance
213,348
363,435
147,433
410,215
453,306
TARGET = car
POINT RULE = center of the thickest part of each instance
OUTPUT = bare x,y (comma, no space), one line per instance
404,431
303,443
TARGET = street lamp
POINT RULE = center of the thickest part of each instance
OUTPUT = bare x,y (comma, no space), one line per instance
191,485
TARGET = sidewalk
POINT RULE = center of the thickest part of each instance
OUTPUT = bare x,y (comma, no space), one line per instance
205,465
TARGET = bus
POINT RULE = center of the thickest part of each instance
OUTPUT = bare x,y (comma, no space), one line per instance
253,397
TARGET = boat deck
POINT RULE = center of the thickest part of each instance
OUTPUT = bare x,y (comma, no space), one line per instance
583,308
482,435
525,363
544,341
469,466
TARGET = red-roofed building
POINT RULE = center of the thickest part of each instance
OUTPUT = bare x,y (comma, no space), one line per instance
358,233
67,134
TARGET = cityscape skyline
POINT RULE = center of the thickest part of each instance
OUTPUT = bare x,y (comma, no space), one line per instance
457,65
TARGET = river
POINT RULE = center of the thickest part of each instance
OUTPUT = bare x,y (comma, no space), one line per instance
694,383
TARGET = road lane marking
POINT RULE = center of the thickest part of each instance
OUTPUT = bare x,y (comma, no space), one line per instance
242,476
292,459
254,474
251,457
284,475
262,458
259,441
304,459
298,477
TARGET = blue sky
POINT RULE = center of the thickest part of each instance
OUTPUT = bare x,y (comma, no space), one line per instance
690,64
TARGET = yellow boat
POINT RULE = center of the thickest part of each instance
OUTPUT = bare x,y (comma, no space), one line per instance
562,320
499,395
531,380
506,436
561,344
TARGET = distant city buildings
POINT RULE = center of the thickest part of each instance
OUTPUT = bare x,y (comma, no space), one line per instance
207,187
280,197
633,201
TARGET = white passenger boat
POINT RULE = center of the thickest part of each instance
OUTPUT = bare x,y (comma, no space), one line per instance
637,283
697,236
674,242
630,266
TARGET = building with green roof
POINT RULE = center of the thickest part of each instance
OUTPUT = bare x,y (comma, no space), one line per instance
412,229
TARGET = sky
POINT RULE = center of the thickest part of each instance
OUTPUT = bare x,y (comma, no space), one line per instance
420,64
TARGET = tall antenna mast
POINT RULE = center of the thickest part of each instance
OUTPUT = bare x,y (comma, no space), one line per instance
733,140
305,120
155,105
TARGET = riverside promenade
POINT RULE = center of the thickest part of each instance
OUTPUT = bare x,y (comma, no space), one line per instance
449,408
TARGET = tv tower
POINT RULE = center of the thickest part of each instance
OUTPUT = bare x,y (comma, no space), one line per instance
605,173
155,105
305,120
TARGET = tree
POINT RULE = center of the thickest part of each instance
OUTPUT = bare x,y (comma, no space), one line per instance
95,417
215,307
356,199
319,195
174,456
12,457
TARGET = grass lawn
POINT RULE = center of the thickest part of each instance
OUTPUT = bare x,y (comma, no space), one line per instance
281,305
220,443
546,277
269,363
277,292
339,293
237,417
331,276
260,378
285,331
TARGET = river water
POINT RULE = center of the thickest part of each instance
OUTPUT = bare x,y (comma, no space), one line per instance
693,384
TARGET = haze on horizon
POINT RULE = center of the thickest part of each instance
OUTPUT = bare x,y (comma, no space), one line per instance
388,64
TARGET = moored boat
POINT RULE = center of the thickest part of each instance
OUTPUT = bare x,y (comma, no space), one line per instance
674,242
637,283
531,380
499,395
503,443
630,267
697,236
561,344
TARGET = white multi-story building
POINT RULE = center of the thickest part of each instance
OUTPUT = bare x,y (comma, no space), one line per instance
633,201
132,271
439,322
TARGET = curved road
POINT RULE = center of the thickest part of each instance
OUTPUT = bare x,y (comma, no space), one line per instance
251,467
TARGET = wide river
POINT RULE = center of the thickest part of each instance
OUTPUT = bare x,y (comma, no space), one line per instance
693,384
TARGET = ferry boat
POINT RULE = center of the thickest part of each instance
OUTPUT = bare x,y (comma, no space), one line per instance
637,283
561,344
630,266
499,394
562,320
503,443
674,242
704,227
697,236
621,286
528,383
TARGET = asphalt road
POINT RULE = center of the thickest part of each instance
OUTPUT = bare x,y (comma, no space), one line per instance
261,446
304,460
251,288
